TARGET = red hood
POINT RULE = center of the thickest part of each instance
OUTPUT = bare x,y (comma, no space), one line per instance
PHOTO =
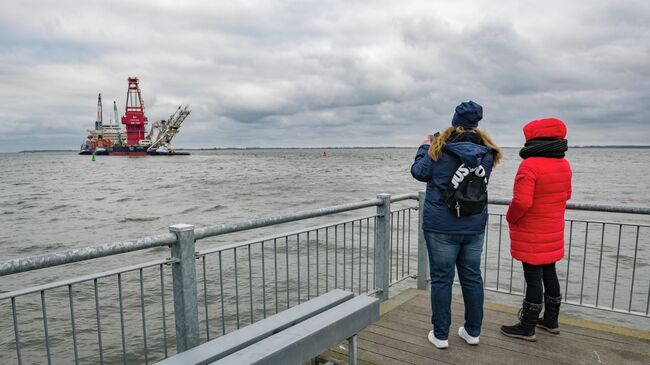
548,127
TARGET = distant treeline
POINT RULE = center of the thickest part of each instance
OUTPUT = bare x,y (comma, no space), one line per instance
41,151
370,148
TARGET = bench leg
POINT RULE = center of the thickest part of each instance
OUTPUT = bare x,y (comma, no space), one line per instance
352,350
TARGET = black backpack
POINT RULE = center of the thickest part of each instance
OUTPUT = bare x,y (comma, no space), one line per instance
467,191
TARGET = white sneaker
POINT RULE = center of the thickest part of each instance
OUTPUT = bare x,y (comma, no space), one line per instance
441,344
465,336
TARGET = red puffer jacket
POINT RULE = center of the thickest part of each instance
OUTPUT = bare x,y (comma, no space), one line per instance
536,213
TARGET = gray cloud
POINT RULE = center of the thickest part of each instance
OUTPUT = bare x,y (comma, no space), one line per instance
325,73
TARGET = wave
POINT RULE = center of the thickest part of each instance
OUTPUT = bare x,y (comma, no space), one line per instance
55,208
215,208
40,248
138,219
189,210
22,204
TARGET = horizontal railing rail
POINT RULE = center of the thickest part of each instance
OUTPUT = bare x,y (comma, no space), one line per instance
204,232
81,279
219,289
278,236
47,260
92,252
353,266
606,208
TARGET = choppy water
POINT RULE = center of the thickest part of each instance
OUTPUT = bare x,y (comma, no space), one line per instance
54,201
60,200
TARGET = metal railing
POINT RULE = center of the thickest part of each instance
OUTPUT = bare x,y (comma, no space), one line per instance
605,265
124,315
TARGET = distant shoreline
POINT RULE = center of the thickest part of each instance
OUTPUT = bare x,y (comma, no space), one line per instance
333,148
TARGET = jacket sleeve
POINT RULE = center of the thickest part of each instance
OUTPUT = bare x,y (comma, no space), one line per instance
422,166
522,197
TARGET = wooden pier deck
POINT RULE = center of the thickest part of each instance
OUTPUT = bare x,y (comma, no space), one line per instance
400,337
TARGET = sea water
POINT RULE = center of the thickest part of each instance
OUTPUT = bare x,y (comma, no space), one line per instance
55,201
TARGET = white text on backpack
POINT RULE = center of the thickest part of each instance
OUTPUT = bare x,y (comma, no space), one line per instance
463,171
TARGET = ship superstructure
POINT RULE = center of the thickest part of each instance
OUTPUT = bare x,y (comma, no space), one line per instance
111,139
134,118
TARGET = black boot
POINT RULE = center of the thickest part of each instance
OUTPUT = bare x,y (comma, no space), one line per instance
525,329
551,312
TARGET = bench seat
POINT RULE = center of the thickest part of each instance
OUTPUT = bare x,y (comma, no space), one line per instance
235,341
307,339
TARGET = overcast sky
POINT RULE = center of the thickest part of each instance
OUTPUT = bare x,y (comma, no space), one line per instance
325,73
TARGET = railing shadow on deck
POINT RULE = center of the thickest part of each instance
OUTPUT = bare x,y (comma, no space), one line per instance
124,314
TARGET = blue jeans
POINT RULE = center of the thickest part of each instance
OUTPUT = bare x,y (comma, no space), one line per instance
464,252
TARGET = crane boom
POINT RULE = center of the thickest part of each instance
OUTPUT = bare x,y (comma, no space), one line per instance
167,129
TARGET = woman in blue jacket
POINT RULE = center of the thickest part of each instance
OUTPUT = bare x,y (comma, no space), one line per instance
453,240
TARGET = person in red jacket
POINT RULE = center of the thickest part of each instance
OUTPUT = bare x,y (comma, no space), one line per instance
536,221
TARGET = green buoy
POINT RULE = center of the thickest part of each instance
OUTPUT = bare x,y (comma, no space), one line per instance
93,158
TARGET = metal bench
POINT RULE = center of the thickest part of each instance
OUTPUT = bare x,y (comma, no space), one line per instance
293,336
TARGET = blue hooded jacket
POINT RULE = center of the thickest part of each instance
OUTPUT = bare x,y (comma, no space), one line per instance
437,174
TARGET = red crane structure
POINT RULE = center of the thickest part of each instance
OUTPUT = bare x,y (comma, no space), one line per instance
134,118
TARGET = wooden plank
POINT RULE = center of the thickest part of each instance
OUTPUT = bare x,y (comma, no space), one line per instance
342,356
573,348
573,324
367,357
384,347
631,344
458,352
488,338
400,338
497,319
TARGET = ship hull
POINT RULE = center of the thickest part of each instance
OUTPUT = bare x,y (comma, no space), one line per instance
131,151
167,153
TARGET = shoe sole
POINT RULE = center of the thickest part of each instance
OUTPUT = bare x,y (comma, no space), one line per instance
438,347
555,331
532,338
469,343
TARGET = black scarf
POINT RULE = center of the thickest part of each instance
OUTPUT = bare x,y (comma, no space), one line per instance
544,147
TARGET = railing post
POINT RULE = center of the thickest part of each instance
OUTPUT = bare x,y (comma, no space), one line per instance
382,247
186,311
423,263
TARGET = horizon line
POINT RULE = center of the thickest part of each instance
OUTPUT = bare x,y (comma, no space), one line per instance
320,147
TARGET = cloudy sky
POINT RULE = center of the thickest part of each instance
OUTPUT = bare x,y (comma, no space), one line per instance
325,73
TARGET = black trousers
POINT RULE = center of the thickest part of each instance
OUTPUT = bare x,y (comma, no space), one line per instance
540,279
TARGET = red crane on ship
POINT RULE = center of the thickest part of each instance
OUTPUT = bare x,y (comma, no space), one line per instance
134,118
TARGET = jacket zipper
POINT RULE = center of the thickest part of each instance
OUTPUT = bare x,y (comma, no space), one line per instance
457,209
